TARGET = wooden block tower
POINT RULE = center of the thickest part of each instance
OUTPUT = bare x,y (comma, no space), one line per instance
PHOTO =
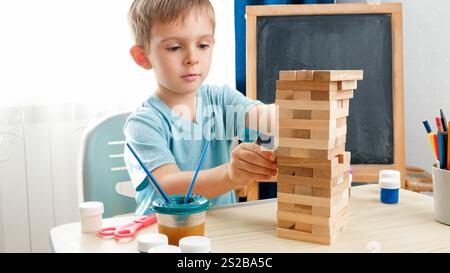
313,166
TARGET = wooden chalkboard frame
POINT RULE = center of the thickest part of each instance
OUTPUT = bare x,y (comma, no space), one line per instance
361,173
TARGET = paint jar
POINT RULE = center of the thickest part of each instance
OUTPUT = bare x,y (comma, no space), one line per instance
178,220
91,214
389,181
147,241
441,195
195,244
164,249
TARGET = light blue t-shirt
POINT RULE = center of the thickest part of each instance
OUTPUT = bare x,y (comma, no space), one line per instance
161,137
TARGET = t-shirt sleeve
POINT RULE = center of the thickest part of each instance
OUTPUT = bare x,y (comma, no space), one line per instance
150,141
236,107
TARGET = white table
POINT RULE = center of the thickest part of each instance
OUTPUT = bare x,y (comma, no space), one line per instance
251,227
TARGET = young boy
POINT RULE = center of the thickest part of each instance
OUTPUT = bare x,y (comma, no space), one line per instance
169,131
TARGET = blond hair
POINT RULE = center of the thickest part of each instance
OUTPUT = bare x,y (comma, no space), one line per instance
144,14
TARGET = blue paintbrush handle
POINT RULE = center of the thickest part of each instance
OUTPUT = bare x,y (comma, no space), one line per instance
186,198
160,190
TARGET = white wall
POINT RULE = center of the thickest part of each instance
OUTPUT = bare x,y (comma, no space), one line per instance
64,63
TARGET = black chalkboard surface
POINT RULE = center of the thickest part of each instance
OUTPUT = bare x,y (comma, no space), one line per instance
337,42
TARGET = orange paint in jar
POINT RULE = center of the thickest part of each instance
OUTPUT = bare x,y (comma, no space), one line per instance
178,220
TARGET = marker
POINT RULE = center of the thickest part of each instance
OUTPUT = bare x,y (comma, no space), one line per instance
436,146
441,150
427,126
445,149
439,126
448,150
444,121
433,145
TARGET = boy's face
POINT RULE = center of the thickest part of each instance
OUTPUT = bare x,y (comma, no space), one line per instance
180,53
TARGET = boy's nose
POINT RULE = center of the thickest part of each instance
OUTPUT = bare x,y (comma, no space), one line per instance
190,60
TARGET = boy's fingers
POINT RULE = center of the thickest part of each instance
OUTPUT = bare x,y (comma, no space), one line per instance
252,168
252,176
255,159
253,147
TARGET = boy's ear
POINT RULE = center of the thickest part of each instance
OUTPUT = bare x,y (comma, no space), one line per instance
138,54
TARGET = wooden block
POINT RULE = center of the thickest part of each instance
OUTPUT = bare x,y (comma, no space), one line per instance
286,188
318,144
303,190
307,181
331,95
304,75
294,133
334,229
330,212
303,236
305,143
303,209
285,113
284,94
308,162
307,86
347,85
338,75
315,85
329,115
325,134
306,124
303,218
301,114
286,224
304,200
295,171
307,105
303,227
309,153
302,95
288,75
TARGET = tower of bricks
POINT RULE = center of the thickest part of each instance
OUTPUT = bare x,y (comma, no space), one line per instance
313,166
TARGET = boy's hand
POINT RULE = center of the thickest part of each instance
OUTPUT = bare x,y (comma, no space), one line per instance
249,163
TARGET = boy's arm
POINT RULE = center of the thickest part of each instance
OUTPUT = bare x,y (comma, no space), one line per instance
247,164
263,118
209,183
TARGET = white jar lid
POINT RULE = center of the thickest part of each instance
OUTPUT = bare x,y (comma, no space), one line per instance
195,244
164,249
147,241
91,208
389,174
389,183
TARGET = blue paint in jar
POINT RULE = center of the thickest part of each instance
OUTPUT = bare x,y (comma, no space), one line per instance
389,190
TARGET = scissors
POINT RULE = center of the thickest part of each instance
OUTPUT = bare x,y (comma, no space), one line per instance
127,231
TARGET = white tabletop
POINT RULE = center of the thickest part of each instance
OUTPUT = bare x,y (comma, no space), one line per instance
251,227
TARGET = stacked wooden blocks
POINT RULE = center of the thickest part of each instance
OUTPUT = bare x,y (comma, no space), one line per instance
313,167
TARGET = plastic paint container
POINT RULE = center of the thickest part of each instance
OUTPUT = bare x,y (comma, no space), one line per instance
147,241
390,174
91,214
165,249
389,190
195,244
389,181
178,220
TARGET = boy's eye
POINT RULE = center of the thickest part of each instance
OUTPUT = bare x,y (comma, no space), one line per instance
174,48
204,46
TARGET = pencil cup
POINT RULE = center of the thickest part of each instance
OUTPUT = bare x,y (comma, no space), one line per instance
178,220
441,193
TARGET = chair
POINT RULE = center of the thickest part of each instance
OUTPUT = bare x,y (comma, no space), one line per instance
102,170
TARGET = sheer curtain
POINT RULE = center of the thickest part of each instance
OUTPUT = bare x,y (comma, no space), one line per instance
64,65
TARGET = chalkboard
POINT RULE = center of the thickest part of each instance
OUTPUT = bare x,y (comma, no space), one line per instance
337,42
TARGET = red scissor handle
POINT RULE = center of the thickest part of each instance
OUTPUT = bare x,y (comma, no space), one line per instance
130,231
